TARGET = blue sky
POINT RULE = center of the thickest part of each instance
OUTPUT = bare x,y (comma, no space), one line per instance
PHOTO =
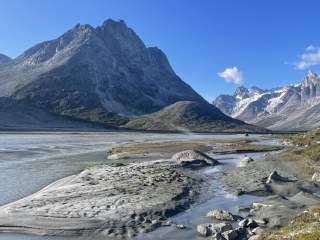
263,40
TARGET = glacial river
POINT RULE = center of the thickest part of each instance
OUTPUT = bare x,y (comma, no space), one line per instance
28,162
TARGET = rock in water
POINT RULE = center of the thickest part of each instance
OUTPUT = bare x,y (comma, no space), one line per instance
230,234
245,160
190,157
205,230
316,177
210,229
248,223
222,215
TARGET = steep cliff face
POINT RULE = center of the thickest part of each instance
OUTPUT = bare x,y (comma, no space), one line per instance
293,107
101,74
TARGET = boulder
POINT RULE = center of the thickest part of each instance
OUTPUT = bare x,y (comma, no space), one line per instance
316,177
222,215
191,157
274,176
222,227
218,236
205,229
230,234
210,229
248,223
245,160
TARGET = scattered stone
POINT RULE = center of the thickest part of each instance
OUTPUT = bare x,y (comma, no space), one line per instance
230,234
180,226
245,160
209,229
167,223
218,236
205,230
274,176
222,215
316,177
248,223
258,230
190,157
222,227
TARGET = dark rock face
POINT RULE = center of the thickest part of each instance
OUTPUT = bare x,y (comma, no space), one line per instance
107,69
294,107
4,59
191,116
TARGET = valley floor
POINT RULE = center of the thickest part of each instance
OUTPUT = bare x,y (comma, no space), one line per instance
140,188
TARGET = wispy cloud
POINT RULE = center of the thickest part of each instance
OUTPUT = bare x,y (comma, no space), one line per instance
310,57
232,75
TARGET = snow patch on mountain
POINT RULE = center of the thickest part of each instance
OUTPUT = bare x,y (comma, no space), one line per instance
293,107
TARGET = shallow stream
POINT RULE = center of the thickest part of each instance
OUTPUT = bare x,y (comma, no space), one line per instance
28,162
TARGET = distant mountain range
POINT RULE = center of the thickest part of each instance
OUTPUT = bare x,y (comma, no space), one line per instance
293,107
104,74
4,59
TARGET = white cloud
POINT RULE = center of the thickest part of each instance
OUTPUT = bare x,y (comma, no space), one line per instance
310,48
310,57
232,75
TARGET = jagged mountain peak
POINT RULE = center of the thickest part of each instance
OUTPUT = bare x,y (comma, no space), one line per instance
241,92
311,78
94,73
292,107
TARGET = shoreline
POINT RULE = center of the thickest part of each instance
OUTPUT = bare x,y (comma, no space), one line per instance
61,208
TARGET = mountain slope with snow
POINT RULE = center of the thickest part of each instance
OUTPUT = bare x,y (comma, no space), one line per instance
293,107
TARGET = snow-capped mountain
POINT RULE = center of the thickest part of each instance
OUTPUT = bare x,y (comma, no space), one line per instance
293,107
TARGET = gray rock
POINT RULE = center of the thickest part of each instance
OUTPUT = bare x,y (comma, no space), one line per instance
274,176
248,223
205,229
245,160
210,229
222,227
218,236
194,157
230,234
222,215
180,226
316,177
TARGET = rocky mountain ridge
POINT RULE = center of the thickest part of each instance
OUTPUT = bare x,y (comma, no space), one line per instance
106,70
293,107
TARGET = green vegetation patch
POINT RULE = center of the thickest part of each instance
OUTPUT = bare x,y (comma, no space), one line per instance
305,226
306,150
204,145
